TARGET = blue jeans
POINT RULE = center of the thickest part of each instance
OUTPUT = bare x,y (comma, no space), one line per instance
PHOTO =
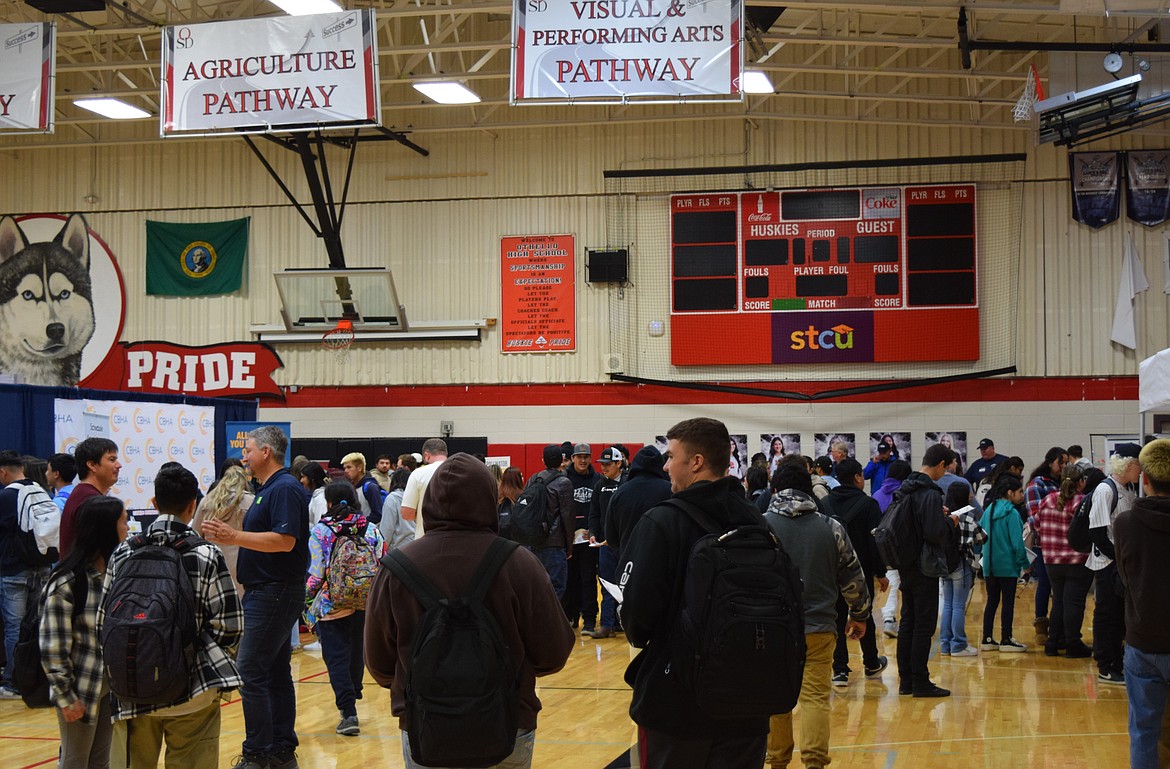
342,647
607,570
956,588
556,563
267,696
1147,680
15,590
521,757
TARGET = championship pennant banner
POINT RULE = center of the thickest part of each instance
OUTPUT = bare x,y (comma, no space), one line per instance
288,72
148,435
612,50
26,77
538,292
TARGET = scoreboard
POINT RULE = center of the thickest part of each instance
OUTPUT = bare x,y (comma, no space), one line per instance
874,274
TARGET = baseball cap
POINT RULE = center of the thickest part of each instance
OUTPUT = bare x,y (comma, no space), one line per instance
610,455
885,446
986,443
582,448
1128,450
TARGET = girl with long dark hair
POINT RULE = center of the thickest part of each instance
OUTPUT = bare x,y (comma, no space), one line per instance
1044,480
71,653
1004,559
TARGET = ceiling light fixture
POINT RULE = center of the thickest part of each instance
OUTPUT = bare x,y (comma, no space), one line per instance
446,92
307,7
115,109
755,81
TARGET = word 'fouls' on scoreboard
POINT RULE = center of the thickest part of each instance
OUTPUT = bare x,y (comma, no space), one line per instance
875,262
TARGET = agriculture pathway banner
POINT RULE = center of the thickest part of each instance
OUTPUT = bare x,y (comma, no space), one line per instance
612,50
538,293
286,72
26,77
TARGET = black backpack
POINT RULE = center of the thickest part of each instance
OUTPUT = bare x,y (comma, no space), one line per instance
531,521
462,704
740,647
27,673
504,514
898,537
1078,527
149,631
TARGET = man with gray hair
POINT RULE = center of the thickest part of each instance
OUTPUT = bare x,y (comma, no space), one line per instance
1112,497
434,451
273,559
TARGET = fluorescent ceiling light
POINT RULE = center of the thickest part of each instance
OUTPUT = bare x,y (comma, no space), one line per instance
755,81
306,7
111,108
446,92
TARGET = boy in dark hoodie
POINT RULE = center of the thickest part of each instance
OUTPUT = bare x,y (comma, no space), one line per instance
674,730
1141,540
646,486
461,525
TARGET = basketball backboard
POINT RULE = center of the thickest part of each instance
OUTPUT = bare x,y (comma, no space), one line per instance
315,299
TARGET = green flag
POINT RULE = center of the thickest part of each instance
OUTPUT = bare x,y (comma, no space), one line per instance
195,259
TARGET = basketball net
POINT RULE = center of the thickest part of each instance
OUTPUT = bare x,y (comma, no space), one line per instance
339,340
1033,92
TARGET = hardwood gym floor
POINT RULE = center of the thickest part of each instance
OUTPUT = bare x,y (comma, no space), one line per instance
1006,711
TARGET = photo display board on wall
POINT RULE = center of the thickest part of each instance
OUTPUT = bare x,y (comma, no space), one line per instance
826,276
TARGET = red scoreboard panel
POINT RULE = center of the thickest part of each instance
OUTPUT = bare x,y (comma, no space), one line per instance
877,274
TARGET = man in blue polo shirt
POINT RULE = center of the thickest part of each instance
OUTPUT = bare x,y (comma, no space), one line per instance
274,556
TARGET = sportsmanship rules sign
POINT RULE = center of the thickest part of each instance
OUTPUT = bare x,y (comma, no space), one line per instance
285,73
26,77
538,294
612,50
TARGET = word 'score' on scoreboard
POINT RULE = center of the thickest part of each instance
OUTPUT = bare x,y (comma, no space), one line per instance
824,276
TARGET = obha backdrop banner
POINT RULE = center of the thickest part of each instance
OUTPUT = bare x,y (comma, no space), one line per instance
148,435
287,72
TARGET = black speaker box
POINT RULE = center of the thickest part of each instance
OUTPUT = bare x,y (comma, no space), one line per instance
608,266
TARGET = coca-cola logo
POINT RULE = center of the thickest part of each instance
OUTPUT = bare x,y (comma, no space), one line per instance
882,204
760,217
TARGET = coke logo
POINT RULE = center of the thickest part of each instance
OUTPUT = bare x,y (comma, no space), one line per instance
760,217
883,203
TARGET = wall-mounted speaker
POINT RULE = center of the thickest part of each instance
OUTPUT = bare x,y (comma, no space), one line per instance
607,266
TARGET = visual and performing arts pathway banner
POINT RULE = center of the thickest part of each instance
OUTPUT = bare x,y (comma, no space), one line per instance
287,72
27,69
611,50
147,434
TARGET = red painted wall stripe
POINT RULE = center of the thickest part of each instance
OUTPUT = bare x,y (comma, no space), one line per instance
624,394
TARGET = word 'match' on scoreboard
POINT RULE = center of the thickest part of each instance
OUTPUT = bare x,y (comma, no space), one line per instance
873,274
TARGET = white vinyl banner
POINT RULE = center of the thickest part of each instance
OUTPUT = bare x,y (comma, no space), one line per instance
287,73
26,77
147,435
614,50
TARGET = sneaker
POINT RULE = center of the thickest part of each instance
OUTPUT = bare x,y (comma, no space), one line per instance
890,628
876,672
602,632
313,647
588,630
283,761
249,762
840,679
1012,645
348,726
1116,679
1051,649
932,691
8,693
966,651
1077,650
988,645
945,652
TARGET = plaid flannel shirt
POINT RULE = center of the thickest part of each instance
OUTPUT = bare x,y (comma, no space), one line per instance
970,535
1053,523
71,652
218,614
1037,490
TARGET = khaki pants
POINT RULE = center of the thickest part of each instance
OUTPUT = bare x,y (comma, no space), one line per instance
192,740
814,709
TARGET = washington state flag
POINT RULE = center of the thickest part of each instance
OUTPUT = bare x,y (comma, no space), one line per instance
195,259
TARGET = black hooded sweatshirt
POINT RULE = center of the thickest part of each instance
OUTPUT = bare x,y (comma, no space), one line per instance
653,566
1141,540
927,500
860,514
646,487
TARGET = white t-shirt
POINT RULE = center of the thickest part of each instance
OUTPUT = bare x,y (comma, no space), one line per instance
1099,517
416,487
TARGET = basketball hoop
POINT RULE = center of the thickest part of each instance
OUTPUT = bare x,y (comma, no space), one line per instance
339,340
1033,92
